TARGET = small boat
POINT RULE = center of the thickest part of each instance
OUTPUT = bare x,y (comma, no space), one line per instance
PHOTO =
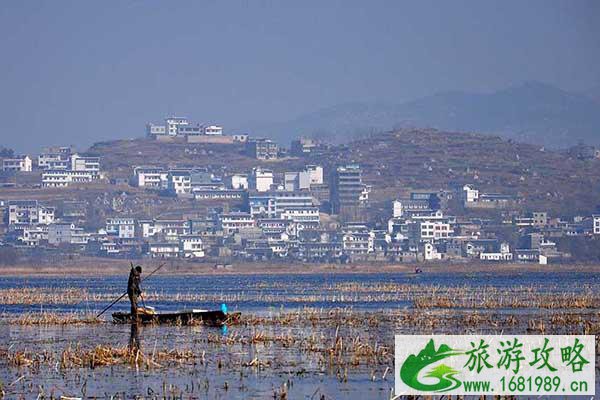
185,317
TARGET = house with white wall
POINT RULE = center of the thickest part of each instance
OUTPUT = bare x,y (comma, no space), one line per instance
261,179
17,164
150,177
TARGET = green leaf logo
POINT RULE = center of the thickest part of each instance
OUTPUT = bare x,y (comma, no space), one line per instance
413,365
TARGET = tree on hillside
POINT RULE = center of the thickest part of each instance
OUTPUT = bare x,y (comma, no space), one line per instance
6,152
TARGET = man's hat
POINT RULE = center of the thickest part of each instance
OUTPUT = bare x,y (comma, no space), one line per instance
138,269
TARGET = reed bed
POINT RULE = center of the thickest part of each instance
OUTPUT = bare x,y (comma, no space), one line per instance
76,356
419,296
52,318
338,338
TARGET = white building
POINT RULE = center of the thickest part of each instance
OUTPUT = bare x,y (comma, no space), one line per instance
430,227
301,214
155,130
430,252
66,234
164,249
240,138
179,182
124,228
32,235
596,219
17,164
238,181
213,130
168,228
503,255
150,177
172,124
397,209
190,246
85,164
315,173
273,204
63,178
261,179
357,240
54,157
233,222
294,181
470,195
27,212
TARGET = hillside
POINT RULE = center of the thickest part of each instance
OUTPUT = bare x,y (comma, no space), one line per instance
431,159
407,158
533,112
120,156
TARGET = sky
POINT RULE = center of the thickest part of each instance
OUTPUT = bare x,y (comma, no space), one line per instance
78,72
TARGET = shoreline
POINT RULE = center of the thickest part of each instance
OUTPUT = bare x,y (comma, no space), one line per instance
118,267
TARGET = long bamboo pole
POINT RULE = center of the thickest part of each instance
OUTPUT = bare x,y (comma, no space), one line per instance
125,294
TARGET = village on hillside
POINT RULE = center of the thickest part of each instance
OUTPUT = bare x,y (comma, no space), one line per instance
308,209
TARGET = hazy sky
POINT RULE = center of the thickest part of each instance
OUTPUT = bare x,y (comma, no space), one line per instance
82,71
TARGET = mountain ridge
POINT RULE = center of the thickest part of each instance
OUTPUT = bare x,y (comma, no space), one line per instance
532,112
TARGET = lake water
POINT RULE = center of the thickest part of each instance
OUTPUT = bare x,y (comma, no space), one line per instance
302,372
262,292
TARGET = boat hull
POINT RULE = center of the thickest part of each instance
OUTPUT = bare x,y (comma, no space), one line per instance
211,318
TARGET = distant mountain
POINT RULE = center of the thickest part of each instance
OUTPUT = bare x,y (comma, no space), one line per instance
532,112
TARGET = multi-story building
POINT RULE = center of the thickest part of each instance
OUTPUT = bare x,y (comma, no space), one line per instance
172,125
233,222
177,126
74,210
303,146
262,149
154,131
17,164
121,227
150,177
303,218
301,214
67,234
501,253
63,178
315,173
237,181
33,235
357,240
261,179
213,130
294,181
163,249
470,194
179,182
540,219
190,246
61,163
404,207
168,228
190,130
272,204
430,227
54,157
85,164
347,191
28,212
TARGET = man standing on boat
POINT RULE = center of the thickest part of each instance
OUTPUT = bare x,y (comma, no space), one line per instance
134,290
